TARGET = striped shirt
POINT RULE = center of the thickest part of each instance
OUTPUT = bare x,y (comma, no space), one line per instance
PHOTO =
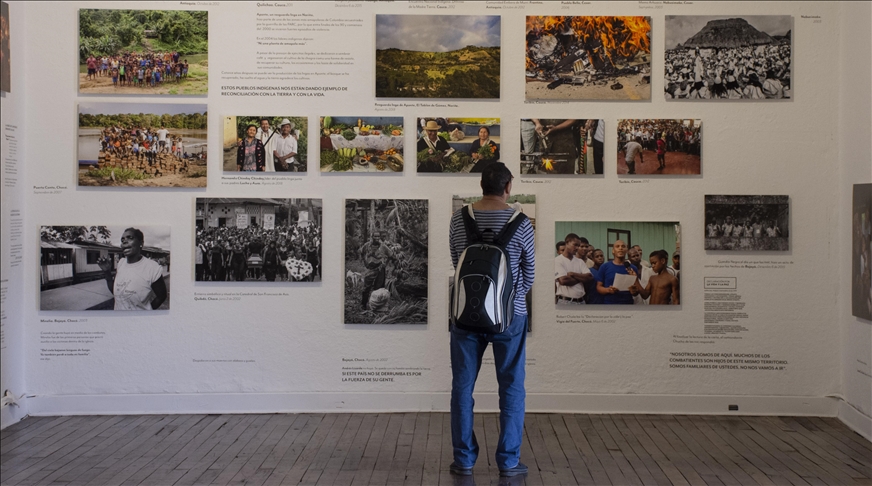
520,249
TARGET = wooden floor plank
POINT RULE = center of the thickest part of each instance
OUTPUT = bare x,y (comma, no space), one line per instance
198,467
704,471
648,476
340,452
296,473
555,451
282,465
703,454
855,463
370,452
432,452
648,424
385,457
758,476
403,450
635,444
582,445
355,453
579,469
614,471
415,465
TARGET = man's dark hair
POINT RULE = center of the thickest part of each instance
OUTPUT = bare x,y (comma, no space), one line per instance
136,234
559,244
262,119
494,178
583,240
572,237
660,254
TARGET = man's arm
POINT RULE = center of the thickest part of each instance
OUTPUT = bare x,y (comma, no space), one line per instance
159,287
676,284
105,264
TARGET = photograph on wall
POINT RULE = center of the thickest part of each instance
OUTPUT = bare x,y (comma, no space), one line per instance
386,248
143,52
142,145
747,223
728,57
437,56
5,61
588,58
861,253
257,240
616,263
361,144
267,144
104,267
457,145
526,203
668,146
557,146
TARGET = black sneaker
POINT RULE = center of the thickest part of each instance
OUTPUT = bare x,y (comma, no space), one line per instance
518,470
460,471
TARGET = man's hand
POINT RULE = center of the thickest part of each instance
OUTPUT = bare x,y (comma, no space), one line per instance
105,263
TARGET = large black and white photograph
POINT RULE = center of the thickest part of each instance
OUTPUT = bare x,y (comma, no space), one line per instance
747,223
457,145
616,263
104,267
257,240
551,146
728,57
588,58
386,249
861,252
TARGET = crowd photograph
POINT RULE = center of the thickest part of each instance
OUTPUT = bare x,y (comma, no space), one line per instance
728,58
5,61
670,147
142,144
386,271
258,240
266,143
617,263
861,254
457,145
562,146
747,223
104,267
163,52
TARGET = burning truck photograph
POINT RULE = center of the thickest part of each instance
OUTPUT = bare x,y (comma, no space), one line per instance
588,58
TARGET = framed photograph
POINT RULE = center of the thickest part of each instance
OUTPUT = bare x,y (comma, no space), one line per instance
616,263
437,56
861,252
457,145
5,61
526,203
588,58
104,267
143,52
386,251
257,240
362,144
266,144
734,57
746,223
142,145
668,147
551,146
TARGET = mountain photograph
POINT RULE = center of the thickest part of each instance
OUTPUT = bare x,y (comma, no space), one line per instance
437,56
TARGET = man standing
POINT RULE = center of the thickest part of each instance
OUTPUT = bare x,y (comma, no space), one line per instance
571,273
632,148
285,151
375,256
267,137
606,276
467,348
635,258
162,138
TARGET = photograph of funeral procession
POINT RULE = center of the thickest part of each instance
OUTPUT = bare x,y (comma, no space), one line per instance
728,57
142,145
588,58
258,240
551,146
265,144
143,52
104,267
361,144
386,248
457,145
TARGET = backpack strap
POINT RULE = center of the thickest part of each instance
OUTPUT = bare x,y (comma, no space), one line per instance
505,235
473,235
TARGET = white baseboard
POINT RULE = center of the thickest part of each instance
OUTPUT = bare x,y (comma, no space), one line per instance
422,402
12,414
855,419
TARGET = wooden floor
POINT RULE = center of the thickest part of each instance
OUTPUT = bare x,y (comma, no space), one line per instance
415,448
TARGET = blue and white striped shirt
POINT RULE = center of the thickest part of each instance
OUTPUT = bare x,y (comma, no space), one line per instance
521,250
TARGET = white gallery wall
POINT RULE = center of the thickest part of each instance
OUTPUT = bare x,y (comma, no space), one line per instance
284,347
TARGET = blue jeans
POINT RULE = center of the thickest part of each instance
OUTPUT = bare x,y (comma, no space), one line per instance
467,349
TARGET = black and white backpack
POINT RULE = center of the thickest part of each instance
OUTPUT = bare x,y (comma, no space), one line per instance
483,299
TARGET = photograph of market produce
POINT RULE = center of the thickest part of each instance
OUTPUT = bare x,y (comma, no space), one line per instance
437,56
658,147
386,247
353,144
741,223
142,145
457,145
588,58
556,146
728,57
143,52
266,144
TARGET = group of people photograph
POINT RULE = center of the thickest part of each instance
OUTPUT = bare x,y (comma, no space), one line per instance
746,222
456,145
675,144
562,146
262,148
142,142
138,69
